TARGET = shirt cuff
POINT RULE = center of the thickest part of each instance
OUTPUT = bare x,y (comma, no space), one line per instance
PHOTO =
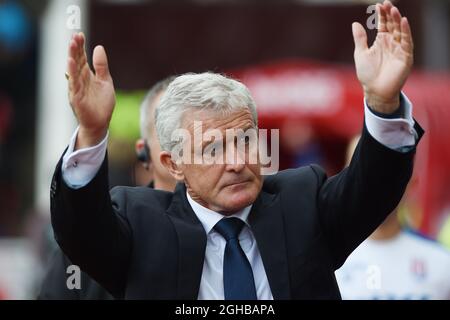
394,133
80,167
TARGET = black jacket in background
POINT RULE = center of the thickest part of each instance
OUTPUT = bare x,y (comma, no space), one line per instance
54,286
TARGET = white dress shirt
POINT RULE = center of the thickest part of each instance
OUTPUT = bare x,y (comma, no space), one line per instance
211,284
79,168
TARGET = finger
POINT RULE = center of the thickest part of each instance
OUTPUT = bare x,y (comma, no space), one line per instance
72,70
387,5
407,40
359,36
82,58
80,41
73,49
389,22
382,21
77,46
77,54
72,67
100,62
396,18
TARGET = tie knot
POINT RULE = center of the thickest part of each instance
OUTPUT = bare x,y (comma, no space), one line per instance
229,228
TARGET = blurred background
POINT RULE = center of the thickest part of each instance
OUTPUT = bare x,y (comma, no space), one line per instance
295,56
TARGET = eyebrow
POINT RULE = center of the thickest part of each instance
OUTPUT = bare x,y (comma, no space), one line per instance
208,142
250,126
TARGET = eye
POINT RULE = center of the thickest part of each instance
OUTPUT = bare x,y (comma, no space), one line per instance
245,139
213,148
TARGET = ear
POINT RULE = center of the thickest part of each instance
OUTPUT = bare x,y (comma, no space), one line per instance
175,171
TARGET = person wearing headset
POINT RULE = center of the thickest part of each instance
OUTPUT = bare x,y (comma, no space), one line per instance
55,284
147,147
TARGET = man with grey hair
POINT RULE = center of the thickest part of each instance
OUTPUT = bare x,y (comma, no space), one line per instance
227,233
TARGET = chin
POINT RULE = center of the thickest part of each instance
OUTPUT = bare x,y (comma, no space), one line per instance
239,200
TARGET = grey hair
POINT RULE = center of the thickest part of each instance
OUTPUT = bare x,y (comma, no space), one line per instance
147,105
202,91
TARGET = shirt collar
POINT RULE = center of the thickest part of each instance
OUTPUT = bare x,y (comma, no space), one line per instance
209,218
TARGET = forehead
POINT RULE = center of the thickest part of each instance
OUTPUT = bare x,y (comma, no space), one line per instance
210,119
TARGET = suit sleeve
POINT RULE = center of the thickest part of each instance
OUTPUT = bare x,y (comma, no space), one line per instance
54,284
91,229
353,203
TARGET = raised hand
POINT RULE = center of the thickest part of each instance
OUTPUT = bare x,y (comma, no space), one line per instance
383,68
91,95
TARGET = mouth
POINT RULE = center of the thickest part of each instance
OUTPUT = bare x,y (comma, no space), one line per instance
237,184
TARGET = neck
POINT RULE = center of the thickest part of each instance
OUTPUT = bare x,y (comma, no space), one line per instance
162,184
389,229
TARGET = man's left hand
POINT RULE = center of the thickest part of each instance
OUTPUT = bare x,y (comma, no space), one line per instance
383,68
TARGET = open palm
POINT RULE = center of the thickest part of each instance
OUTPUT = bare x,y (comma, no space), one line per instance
383,68
91,95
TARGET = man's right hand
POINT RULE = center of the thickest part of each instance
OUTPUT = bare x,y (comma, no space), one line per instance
91,95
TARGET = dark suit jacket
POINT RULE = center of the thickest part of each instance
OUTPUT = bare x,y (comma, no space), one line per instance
147,244
54,286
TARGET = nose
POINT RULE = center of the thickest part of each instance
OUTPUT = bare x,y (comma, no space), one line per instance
235,161
235,167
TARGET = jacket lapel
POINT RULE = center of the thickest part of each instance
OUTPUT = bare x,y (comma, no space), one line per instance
191,245
266,222
267,226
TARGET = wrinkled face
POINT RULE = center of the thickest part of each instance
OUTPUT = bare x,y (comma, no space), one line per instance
233,184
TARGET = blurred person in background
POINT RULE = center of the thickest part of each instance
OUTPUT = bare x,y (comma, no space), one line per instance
148,149
395,263
444,232
299,139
